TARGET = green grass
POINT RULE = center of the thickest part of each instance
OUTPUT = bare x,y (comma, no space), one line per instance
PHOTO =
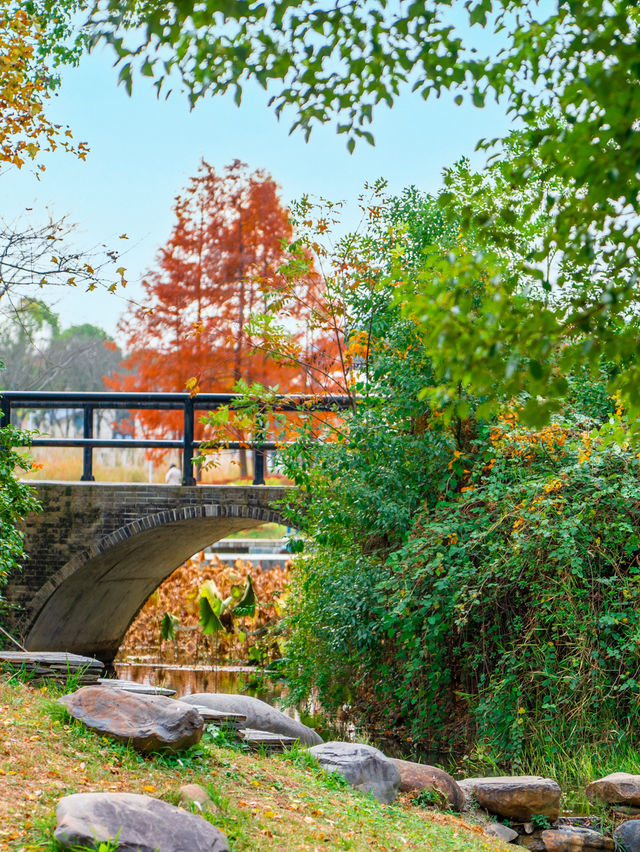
272,531
573,769
261,802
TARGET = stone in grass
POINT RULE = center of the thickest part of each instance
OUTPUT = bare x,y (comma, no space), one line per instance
364,767
627,835
260,715
420,776
618,788
502,832
571,837
517,797
148,722
140,824
194,794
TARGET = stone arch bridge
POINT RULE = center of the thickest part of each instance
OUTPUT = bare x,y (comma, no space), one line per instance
98,550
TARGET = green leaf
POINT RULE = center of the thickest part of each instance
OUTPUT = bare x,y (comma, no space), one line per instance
247,604
209,590
168,626
209,621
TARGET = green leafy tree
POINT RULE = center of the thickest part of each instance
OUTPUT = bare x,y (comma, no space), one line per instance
567,73
37,355
469,581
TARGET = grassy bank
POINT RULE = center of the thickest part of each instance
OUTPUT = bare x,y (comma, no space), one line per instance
261,803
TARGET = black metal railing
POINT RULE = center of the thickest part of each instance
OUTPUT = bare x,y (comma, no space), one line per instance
88,403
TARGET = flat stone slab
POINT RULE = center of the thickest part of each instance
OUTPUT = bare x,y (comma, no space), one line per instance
516,797
260,716
55,659
365,768
420,776
54,665
147,722
133,686
258,740
620,788
217,717
140,824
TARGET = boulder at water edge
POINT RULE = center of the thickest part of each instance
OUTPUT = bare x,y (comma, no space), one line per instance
420,776
139,823
148,722
575,839
516,797
364,767
260,715
628,835
619,788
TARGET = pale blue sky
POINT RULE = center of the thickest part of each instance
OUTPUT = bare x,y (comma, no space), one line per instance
143,152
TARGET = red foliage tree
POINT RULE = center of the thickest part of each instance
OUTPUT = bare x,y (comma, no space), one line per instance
219,266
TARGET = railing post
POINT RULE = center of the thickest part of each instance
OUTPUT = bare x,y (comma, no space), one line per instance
258,450
5,412
187,451
87,452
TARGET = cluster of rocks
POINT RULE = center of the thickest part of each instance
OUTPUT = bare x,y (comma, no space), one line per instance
152,723
529,810
525,809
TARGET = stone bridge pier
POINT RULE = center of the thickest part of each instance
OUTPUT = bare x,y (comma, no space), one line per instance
98,550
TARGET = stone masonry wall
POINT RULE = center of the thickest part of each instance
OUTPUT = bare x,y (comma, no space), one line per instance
82,521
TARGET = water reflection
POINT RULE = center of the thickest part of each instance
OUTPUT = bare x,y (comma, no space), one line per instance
187,680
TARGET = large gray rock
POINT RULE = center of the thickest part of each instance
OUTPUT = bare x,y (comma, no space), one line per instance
363,766
619,788
420,776
628,835
517,797
148,722
260,715
140,823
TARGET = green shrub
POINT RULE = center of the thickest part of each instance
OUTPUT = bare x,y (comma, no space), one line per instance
17,499
469,586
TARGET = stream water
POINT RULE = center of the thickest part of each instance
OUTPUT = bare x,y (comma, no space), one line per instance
187,680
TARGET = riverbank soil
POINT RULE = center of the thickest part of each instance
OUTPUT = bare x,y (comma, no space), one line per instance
260,802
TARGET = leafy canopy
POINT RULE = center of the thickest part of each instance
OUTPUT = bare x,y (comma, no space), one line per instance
566,71
472,582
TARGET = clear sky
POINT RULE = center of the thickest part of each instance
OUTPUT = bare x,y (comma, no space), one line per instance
143,151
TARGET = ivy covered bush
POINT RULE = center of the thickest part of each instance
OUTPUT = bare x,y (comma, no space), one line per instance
506,620
471,583
509,618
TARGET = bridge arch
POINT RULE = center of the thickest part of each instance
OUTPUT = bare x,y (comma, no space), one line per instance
98,552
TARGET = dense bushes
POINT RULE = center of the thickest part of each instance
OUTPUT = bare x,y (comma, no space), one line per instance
507,618
513,607
470,585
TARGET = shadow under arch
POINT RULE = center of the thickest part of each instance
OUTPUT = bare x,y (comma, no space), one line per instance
89,604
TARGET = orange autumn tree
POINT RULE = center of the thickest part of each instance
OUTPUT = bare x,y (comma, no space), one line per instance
219,266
